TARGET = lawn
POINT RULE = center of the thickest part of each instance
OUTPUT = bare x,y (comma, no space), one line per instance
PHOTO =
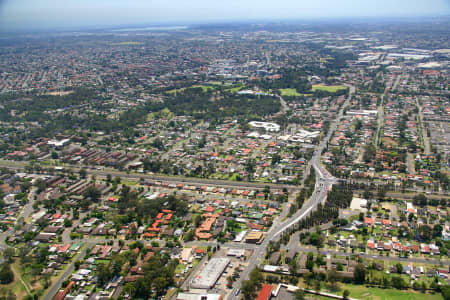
234,177
328,88
368,293
290,92
235,89
129,182
205,88
180,268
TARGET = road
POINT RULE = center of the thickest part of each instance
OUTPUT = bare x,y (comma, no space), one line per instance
27,210
324,182
426,141
410,163
284,106
57,285
380,119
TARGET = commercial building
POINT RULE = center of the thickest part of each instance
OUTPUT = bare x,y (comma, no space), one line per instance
195,296
210,273
271,127
254,237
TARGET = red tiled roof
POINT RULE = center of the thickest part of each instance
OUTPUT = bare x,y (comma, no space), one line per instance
265,292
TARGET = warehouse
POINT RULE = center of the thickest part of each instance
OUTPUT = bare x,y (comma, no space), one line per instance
210,273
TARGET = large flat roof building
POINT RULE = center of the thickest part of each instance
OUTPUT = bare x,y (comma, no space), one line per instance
210,273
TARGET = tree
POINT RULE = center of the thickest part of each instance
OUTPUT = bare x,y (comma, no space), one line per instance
67,222
293,266
6,274
250,167
77,264
399,268
310,262
9,254
445,290
398,282
256,277
248,289
83,173
299,295
359,275
426,232
437,230
420,200
93,193
316,239
104,274
317,285
346,294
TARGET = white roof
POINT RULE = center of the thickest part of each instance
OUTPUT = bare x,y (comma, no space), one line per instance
210,273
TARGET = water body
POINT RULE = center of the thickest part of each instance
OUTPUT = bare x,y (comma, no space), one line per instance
166,28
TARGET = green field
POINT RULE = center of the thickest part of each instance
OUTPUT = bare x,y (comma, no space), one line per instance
180,268
205,88
235,89
129,182
368,293
290,92
328,88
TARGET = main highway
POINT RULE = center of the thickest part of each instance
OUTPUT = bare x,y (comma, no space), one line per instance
324,182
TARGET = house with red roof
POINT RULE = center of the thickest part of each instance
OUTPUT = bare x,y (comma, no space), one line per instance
371,244
62,293
368,221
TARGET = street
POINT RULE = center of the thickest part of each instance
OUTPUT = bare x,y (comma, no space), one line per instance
324,182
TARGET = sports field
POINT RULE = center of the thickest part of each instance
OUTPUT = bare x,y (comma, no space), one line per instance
328,88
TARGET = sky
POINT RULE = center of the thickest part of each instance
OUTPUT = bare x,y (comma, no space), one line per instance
60,14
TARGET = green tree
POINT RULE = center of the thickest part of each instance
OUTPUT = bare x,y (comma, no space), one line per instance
399,268
248,289
6,274
359,274
310,262
445,290
299,295
67,222
398,282
83,173
9,254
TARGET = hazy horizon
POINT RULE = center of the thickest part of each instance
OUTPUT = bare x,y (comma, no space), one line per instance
29,15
